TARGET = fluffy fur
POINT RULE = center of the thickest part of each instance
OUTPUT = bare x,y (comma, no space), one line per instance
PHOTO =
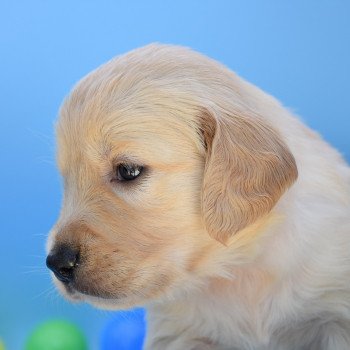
237,233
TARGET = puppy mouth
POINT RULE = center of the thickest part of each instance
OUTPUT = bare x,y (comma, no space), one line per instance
65,264
102,300
71,293
76,292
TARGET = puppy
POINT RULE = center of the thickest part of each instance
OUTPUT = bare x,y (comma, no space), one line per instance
193,193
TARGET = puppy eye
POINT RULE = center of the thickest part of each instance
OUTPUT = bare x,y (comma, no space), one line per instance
128,172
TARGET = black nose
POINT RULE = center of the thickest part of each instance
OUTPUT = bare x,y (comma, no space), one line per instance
62,261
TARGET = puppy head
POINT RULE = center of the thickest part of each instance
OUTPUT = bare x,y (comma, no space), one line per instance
157,150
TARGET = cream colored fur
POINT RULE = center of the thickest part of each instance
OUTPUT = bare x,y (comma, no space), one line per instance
236,236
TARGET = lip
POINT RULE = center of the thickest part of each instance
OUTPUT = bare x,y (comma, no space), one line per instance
101,301
76,292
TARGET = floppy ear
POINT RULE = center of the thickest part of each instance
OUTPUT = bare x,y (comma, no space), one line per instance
247,169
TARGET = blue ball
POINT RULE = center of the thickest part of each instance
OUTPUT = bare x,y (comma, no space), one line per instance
125,330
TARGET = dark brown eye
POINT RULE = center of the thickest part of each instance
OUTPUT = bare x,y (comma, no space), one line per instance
128,172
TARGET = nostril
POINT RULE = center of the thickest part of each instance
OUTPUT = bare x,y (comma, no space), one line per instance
65,274
62,262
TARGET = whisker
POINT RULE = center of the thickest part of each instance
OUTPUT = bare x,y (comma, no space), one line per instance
48,140
36,272
44,292
38,267
46,161
40,234
37,256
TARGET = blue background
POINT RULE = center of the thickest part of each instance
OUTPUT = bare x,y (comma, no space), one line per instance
299,51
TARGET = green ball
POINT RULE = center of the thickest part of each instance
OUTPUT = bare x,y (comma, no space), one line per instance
56,335
2,346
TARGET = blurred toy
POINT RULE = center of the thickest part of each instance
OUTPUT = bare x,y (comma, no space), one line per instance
2,346
56,335
124,331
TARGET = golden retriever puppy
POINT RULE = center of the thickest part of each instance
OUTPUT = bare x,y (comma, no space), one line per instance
191,192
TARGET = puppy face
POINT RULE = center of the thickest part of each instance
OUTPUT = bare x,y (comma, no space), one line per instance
158,173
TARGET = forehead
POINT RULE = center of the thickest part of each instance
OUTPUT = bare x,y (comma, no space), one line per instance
156,135
124,106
